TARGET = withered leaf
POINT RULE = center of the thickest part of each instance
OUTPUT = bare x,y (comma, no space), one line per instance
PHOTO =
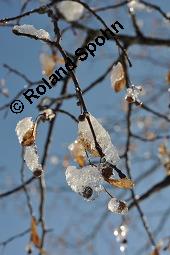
66,161
29,137
162,150
34,233
58,59
118,80
168,77
119,85
48,63
78,153
150,135
80,160
155,251
123,183
87,146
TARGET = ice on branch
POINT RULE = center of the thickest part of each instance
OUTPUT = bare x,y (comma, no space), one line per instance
31,30
48,114
78,153
71,11
86,181
117,206
3,88
25,131
103,138
164,155
118,80
135,5
32,160
133,93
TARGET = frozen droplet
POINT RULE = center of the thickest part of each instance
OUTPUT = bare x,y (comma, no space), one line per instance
117,206
133,93
122,248
23,126
85,181
121,234
3,88
31,30
135,5
32,160
48,114
54,160
71,11
116,232
45,102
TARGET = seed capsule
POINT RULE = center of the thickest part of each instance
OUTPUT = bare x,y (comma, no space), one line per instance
82,117
37,172
107,172
87,192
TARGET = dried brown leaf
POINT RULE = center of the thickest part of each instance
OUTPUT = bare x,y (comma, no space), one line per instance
78,153
87,146
48,63
119,85
80,160
123,183
162,150
66,162
155,252
150,135
118,80
29,137
168,77
34,233
58,59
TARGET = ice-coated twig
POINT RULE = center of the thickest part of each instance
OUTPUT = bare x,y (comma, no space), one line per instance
102,137
31,30
71,11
